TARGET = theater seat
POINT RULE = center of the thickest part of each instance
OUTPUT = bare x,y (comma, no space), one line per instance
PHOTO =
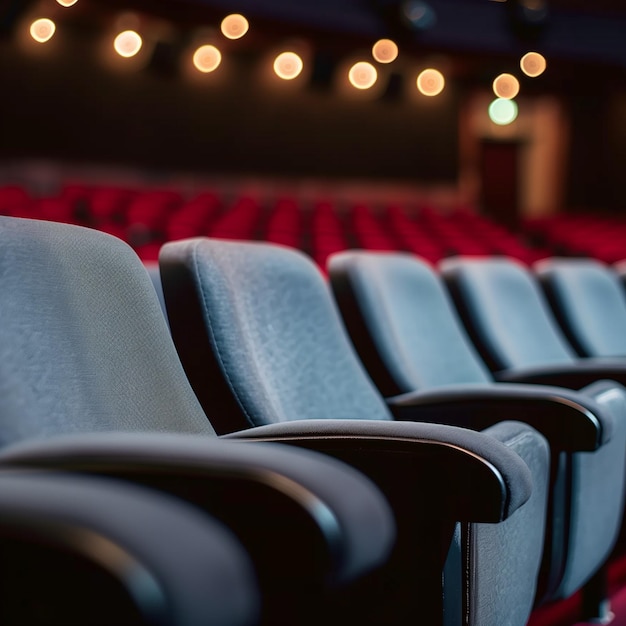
407,333
589,302
90,382
510,322
92,551
259,337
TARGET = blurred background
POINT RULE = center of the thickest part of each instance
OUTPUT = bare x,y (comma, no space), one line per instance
293,101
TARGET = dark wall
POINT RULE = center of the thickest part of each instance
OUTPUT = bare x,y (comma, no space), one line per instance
67,105
597,156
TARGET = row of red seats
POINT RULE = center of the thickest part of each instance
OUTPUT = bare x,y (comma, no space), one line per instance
599,236
148,218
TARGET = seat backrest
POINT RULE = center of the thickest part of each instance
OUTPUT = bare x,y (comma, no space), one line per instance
402,322
259,322
83,342
589,302
505,312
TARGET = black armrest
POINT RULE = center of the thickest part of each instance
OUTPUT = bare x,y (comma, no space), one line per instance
433,477
85,550
572,375
452,472
569,420
290,508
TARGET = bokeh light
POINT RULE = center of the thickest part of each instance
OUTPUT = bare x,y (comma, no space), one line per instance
533,64
418,15
362,75
385,51
207,58
41,30
431,82
67,3
503,111
127,43
288,65
234,26
506,86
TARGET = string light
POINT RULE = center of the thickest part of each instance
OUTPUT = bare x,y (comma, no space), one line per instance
41,30
503,111
207,59
362,75
385,51
506,86
234,26
431,82
533,64
288,65
127,43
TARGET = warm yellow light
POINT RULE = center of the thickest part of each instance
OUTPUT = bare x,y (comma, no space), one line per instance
431,82
234,26
67,3
41,30
506,86
362,75
207,58
385,51
503,111
288,65
533,64
127,44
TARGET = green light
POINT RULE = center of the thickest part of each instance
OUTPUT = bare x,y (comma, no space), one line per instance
503,111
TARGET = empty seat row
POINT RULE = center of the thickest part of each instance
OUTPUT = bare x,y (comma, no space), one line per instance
91,377
488,519
409,339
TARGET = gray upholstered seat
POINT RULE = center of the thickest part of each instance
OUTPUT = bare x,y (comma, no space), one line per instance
589,302
408,334
87,550
90,381
262,343
510,322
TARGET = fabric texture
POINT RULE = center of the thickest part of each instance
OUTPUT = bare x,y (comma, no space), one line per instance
589,302
272,327
497,569
505,310
409,318
78,313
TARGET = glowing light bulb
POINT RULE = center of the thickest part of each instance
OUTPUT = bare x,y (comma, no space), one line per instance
207,58
67,3
503,111
41,30
288,65
506,86
362,75
385,51
431,82
234,26
533,64
128,43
